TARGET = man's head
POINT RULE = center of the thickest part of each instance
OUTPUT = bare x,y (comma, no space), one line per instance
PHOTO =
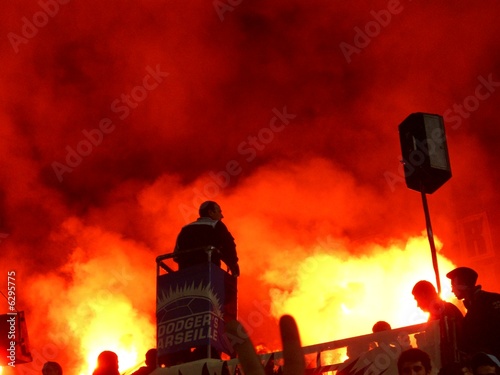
425,294
52,368
107,360
151,356
485,364
381,326
210,209
414,362
463,280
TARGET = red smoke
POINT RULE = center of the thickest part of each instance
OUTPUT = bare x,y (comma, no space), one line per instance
118,119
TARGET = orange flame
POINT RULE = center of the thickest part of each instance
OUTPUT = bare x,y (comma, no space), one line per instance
102,307
335,289
334,295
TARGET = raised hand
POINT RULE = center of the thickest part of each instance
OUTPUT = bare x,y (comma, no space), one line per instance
294,363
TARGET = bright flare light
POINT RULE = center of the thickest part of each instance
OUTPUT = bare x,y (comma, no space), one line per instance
335,295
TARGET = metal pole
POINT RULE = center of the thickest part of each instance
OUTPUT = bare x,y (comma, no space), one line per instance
431,240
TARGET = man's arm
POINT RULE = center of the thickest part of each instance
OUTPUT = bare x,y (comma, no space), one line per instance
294,362
228,248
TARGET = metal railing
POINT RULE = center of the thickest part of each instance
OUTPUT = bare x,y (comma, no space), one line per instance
160,260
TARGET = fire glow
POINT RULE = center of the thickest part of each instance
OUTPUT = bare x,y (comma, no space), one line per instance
335,296
335,288
332,295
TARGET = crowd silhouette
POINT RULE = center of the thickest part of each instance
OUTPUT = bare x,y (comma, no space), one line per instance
470,344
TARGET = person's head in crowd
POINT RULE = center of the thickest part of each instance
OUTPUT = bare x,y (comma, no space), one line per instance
107,363
425,294
485,364
454,368
355,349
381,326
414,361
52,368
151,358
210,209
463,281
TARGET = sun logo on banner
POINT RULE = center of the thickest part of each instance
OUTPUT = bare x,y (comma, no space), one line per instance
188,316
186,298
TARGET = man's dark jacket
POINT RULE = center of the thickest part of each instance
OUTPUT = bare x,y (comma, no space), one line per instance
202,233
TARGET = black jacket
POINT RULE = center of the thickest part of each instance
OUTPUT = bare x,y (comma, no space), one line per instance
481,325
202,233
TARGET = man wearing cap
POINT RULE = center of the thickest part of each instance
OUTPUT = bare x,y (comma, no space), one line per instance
481,325
207,230
485,364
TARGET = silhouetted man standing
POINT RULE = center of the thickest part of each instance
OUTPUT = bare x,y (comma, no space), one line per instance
190,250
449,316
207,230
481,325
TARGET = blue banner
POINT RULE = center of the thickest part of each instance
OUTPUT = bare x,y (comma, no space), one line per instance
191,307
